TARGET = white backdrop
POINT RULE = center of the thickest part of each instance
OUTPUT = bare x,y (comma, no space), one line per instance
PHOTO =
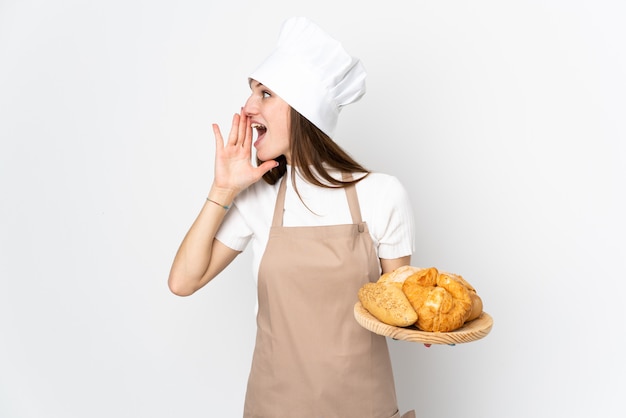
504,120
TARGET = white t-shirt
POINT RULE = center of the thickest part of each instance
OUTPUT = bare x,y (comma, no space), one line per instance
384,204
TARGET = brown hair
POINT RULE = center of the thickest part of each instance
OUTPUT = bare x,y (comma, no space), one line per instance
312,151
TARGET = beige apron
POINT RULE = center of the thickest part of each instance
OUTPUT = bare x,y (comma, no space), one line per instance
312,359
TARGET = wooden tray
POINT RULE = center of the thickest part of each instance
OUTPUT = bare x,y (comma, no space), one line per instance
471,331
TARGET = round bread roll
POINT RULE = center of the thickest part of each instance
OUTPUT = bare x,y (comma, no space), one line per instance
461,279
399,275
477,306
387,303
477,303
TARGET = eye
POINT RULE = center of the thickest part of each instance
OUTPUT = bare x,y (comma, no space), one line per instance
266,94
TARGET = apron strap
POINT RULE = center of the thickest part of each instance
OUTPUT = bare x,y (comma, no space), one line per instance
353,202
280,203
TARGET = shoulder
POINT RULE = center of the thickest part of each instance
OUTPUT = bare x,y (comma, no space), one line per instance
381,178
250,215
384,197
257,200
382,185
386,207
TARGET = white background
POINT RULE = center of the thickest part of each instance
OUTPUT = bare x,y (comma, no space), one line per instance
504,120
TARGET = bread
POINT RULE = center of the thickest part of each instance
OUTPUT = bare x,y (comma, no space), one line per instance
399,275
430,299
477,303
417,287
388,303
442,301
477,306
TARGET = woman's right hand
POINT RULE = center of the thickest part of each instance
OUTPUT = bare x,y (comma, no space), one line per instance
234,170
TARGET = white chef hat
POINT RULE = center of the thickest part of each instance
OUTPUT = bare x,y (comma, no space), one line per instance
312,72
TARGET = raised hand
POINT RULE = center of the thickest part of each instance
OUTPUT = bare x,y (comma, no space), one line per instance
234,169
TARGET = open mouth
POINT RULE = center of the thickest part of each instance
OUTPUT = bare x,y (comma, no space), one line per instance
259,128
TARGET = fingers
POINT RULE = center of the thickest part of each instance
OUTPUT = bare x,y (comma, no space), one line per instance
242,129
239,137
219,140
247,138
233,136
267,166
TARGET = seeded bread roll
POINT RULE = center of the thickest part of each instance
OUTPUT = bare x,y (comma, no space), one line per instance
388,304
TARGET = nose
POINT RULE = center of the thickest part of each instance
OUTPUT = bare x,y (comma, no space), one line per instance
251,107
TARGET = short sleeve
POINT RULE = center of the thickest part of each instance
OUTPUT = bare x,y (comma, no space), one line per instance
234,231
394,221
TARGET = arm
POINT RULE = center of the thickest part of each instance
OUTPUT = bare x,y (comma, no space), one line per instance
390,264
397,233
200,256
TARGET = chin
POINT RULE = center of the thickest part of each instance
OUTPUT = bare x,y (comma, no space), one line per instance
266,157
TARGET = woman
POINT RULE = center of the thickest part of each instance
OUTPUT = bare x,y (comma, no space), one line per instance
312,248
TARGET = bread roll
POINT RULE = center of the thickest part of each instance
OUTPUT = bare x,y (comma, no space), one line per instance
477,303
417,287
387,303
399,275
430,299
477,306
441,300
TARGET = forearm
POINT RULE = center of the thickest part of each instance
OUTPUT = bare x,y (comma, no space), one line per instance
389,265
195,263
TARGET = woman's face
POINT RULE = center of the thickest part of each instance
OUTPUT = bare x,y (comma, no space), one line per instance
269,117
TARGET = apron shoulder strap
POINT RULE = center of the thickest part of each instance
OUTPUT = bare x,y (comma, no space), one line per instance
353,200
277,220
